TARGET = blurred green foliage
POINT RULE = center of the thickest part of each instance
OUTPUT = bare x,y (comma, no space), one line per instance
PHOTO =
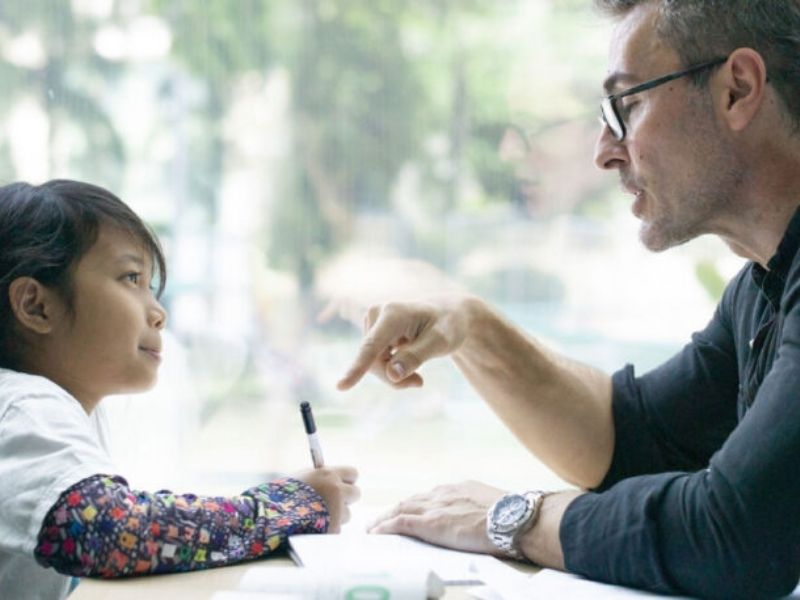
68,81
711,279
377,86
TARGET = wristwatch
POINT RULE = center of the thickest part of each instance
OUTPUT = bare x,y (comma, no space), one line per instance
511,516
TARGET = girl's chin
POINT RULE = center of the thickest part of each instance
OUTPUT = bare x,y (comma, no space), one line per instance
144,384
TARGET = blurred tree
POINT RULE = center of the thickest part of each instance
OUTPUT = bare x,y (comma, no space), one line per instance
218,41
55,65
372,81
356,101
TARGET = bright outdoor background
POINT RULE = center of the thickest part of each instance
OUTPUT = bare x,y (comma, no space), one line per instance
302,159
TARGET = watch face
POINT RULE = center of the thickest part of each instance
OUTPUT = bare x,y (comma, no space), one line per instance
508,511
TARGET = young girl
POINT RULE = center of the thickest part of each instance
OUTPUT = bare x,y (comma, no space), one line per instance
79,321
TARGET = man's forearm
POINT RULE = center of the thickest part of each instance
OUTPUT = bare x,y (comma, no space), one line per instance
560,409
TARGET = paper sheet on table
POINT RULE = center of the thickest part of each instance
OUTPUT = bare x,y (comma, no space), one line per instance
230,595
374,551
548,583
325,582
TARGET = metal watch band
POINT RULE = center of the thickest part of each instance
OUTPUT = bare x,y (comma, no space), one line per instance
507,542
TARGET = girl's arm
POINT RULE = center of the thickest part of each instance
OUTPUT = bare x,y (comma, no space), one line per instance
101,528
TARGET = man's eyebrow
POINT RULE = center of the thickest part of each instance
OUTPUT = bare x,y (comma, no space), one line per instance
613,80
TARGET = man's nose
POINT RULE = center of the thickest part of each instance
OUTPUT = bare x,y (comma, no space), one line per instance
609,153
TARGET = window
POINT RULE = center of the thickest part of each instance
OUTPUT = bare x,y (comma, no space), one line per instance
302,160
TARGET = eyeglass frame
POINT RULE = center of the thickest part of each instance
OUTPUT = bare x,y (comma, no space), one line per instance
608,105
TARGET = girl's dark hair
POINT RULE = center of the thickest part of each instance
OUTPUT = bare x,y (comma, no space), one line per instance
46,229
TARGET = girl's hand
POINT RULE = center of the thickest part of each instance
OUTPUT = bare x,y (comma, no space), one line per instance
337,487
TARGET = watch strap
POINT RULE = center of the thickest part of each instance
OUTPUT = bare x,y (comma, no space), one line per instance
508,542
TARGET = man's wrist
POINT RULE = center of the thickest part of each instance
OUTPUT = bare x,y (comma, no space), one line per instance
541,543
478,317
516,544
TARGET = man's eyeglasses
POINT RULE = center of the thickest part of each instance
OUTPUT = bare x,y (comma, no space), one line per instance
609,110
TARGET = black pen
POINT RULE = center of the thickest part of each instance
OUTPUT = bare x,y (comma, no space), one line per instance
311,432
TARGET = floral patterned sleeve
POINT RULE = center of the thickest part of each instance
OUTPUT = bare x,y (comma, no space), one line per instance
101,528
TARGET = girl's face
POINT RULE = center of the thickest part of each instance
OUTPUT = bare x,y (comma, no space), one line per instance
112,343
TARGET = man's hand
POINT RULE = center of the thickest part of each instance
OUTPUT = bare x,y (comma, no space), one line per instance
399,337
453,516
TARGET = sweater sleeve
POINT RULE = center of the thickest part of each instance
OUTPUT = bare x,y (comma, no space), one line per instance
726,529
101,528
676,416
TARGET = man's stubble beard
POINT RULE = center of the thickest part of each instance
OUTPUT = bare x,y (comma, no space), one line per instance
708,194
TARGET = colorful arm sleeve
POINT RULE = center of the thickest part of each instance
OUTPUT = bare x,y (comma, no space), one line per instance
101,528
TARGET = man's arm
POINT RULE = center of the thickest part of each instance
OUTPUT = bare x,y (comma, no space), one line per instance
542,543
671,517
559,409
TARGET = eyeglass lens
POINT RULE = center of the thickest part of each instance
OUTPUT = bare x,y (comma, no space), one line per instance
611,118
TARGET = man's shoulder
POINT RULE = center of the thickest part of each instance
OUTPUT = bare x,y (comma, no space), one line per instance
793,273
742,285
791,288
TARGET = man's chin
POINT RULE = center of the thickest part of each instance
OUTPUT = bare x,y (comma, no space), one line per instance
656,239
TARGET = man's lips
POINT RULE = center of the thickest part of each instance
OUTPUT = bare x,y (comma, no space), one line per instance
631,188
639,193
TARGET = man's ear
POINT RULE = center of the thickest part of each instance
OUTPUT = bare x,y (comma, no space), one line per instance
745,82
33,304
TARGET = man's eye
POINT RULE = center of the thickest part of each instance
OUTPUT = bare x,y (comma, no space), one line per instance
625,109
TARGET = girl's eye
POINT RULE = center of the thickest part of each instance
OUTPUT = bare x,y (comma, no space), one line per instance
133,278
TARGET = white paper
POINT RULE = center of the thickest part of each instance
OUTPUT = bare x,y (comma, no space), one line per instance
549,583
502,582
315,583
377,551
229,595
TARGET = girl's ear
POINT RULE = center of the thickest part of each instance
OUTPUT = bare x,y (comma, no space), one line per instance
33,305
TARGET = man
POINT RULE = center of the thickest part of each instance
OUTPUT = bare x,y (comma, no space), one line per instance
689,473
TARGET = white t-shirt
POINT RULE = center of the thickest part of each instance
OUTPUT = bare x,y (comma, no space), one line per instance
47,444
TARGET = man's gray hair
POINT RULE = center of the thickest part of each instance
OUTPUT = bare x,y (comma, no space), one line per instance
700,30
